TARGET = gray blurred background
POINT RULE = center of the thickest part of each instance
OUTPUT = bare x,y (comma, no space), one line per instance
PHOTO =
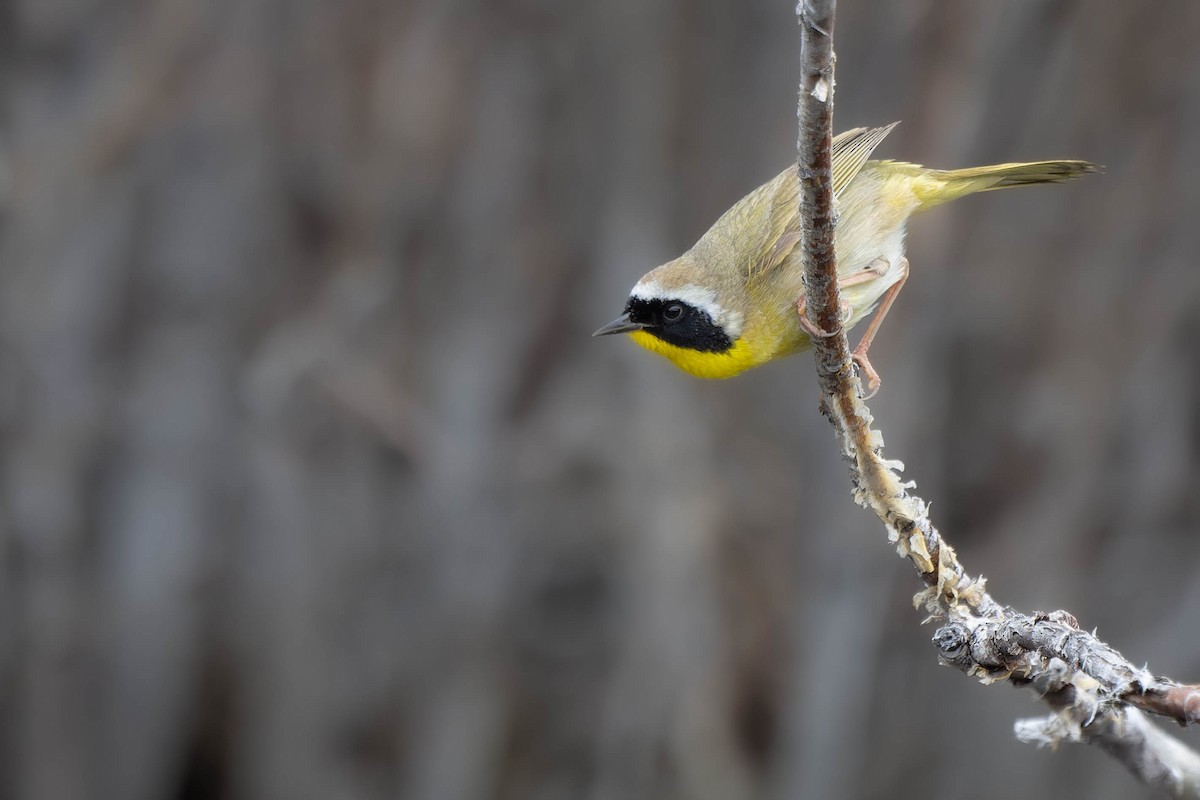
315,486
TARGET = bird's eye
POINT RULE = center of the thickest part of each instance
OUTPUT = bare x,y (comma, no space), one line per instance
673,313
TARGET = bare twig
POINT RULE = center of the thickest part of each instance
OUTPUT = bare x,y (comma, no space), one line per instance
1093,689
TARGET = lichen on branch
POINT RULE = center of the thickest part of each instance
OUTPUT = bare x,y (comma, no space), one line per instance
1095,692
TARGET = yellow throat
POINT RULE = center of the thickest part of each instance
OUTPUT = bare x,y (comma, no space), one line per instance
726,364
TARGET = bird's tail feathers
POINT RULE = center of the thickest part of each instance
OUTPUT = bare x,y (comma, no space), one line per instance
943,186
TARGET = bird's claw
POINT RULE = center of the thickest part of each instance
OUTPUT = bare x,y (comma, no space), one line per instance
815,331
864,366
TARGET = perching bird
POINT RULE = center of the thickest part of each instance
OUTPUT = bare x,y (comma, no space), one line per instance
731,302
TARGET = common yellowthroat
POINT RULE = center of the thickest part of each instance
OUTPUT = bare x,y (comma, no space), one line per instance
730,303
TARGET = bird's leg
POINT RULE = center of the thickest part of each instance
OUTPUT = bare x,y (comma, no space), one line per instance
860,353
875,269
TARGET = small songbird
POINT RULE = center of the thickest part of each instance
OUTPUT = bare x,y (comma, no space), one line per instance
735,300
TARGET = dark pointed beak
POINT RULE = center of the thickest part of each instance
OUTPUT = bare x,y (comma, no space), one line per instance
622,324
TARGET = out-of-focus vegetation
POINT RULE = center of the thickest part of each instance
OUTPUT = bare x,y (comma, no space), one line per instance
314,485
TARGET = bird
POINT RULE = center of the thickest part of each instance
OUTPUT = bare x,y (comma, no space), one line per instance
735,300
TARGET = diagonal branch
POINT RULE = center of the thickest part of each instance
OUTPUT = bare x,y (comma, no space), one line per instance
1095,692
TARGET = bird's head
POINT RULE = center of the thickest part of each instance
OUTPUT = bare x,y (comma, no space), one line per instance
671,312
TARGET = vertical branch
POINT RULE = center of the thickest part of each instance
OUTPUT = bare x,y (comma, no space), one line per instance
1094,691
814,168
